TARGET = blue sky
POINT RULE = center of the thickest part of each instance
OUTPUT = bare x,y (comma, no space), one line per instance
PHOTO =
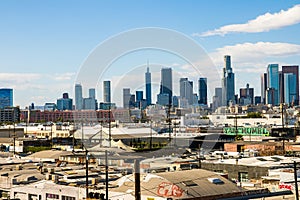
44,43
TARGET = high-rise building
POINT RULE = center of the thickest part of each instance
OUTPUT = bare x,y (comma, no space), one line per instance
51,106
290,87
132,103
186,90
175,101
217,99
166,83
294,69
163,99
139,96
257,100
10,114
106,92
228,85
148,87
281,87
202,85
78,97
90,103
246,95
271,96
92,93
126,97
195,99
64,103
273,83
263,87
140,102
6,97
65,95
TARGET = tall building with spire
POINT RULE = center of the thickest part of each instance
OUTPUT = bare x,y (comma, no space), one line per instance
228,85
148,86
78,97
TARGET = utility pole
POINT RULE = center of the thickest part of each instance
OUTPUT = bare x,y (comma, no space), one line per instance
296,181
169,120
51,135
106,175
137,180
14,132
109,127
282,131
73,140
82,135
14,139
86,173
282,115
235,126
199,164
174,132
100,134
150,134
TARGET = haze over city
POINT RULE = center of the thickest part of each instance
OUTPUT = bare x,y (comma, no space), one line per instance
43,45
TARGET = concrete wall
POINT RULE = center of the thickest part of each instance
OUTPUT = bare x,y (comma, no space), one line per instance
254,172
222,119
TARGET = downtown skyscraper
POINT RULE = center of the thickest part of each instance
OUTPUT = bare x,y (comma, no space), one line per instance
202,86
228,85
263,87
290,89
106,92
126,98
272,93
148,86
90,103
186,90
78,97
64,103
6,97
166,84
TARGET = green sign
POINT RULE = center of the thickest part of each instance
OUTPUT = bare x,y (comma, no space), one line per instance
255,131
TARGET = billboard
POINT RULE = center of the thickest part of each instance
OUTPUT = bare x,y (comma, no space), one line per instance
255,131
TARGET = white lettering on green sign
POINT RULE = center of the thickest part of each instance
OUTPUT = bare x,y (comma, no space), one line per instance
246,131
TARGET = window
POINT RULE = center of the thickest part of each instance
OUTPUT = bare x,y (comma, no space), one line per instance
67,198
189,183
243,177
51,196
215,180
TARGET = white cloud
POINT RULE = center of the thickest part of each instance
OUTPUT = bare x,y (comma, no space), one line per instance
37,88
255,55
18,77
249,60
262,23
64,76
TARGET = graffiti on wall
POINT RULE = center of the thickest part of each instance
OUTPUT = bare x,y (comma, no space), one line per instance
169,190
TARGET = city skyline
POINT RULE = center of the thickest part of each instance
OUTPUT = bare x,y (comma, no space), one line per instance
273,82
44,45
